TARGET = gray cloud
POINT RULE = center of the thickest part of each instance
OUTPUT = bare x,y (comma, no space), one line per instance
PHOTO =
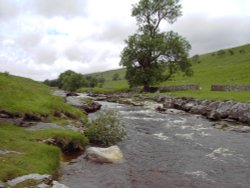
8,9
117,32
29,40
45,55
206,34
77,53
63,8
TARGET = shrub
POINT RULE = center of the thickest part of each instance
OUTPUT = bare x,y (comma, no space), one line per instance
221,52
106,129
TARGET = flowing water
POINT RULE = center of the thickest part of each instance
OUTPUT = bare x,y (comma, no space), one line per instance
167,151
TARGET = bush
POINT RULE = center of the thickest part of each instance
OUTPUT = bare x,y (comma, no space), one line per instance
106,129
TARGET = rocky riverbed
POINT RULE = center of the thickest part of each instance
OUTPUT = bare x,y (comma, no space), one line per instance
170,149
213,110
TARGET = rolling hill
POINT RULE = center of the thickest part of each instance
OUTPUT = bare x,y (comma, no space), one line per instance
227,66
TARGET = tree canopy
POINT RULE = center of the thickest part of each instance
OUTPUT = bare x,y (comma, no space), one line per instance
152,56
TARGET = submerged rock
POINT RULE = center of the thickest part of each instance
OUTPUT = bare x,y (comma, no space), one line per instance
112,154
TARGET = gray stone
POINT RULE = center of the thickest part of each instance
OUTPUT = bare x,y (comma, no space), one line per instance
56,184
6,152
42,178
112,154
1,185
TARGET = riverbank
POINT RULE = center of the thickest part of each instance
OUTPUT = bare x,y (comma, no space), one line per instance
25,103
213,110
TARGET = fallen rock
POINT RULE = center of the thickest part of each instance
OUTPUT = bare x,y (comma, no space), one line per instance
112,154
91,107
6,152
47,179
56,184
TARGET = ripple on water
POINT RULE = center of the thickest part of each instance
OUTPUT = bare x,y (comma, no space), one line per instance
219,153
185,136
160,136
199,174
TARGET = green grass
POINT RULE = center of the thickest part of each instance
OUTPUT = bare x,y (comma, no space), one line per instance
213,69
34,157
22,95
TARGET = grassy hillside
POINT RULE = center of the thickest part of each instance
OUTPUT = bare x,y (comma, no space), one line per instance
228,66
26,152
22,95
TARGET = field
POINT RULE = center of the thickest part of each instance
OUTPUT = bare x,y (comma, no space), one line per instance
228,66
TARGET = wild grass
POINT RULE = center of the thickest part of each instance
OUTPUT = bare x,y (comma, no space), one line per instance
33,156
22,95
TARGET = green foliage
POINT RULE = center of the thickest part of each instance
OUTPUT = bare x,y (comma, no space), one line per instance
221,53
149,52
93,81
71,81
196,59
101,81
106,129
231,52
116,76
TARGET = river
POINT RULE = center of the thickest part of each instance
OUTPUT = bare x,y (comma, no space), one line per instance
167,151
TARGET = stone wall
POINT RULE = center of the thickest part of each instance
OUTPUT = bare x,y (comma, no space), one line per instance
230,88
179,88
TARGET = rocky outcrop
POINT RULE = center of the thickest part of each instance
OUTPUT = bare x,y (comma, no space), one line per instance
72,94
214,110
112,154
39,181
67,145
89,106
47,179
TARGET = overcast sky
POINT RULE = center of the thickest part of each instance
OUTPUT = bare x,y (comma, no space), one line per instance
40,39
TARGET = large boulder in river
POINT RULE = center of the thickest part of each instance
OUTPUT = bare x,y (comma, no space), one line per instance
112,154
91,107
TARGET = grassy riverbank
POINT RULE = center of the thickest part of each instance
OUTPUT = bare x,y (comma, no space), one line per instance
21,151
28,154
21,95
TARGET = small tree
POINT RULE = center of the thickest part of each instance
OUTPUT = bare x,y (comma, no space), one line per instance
231,52
221,53
116,76
101,81
150,52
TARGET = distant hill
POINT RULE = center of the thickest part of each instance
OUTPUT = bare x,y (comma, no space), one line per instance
225,66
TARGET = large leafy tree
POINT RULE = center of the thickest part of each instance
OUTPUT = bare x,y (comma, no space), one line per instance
152,56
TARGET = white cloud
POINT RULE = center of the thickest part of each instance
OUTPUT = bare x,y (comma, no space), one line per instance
42,38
